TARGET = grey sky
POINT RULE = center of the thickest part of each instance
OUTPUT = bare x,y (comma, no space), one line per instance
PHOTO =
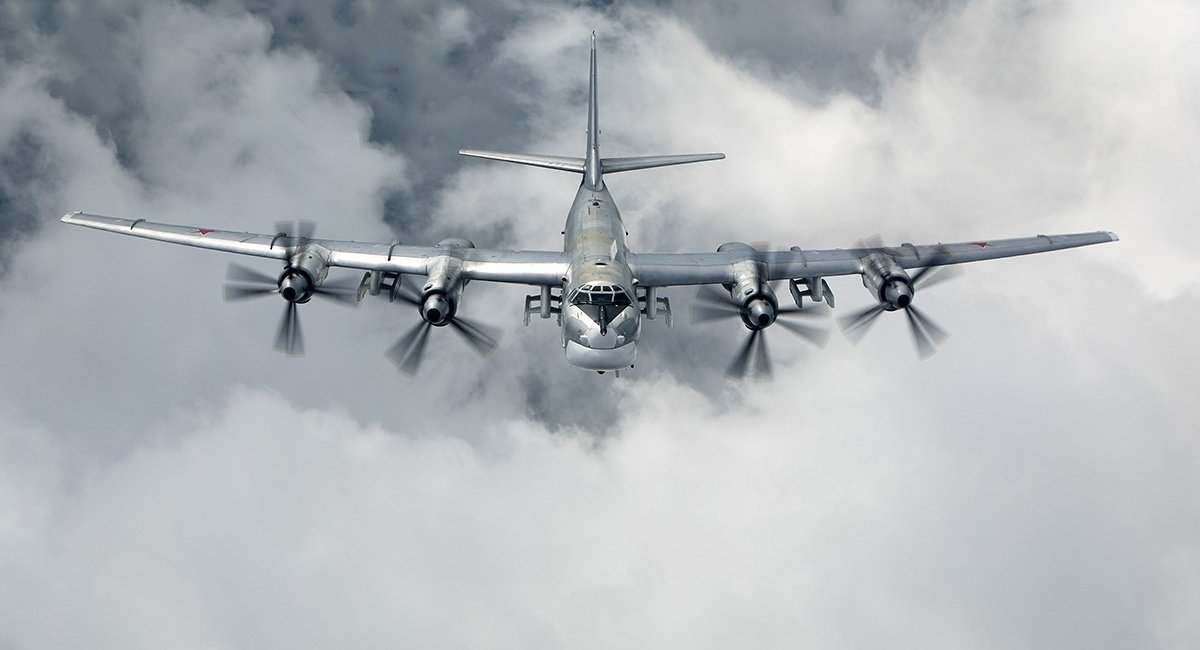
167,479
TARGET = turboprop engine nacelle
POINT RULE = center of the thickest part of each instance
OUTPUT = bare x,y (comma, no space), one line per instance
444,285
304,273
749,291
889,283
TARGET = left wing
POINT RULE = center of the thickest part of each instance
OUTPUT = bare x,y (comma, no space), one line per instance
670,269
516,267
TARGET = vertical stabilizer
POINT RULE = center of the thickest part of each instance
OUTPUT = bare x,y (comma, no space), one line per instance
592,165
592,176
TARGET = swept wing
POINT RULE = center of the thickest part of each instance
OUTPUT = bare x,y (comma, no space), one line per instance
547,268
511,266
671,269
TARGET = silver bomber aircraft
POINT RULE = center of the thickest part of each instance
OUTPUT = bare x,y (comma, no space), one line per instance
599,290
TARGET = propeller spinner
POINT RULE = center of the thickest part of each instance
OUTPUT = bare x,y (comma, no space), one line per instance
296,285
898,295
436,311
757,315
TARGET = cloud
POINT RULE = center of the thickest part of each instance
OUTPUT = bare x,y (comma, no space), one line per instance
261,522
165,478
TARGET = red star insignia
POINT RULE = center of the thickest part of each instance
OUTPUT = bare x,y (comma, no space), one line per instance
981,244
203,231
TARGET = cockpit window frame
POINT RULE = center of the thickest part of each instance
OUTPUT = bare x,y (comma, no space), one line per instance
601,302
600,294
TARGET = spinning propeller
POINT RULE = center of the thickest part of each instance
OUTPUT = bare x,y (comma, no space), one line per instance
296,285
409,350
926,334
758,315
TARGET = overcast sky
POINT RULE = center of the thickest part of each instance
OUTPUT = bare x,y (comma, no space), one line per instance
168,480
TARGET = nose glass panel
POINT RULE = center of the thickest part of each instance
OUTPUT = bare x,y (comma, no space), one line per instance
601,302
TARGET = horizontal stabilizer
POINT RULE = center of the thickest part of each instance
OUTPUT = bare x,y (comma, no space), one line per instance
610,165
563,163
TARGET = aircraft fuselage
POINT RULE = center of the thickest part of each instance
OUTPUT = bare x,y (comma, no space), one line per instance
601,317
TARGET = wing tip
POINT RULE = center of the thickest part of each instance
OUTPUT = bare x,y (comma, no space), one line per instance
70,216
1112,236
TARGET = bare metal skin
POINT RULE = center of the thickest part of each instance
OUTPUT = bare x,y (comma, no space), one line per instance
600,290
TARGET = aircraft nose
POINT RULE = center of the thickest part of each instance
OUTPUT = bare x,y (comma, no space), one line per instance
592,359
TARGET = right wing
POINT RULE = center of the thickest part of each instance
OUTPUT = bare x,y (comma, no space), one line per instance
515,267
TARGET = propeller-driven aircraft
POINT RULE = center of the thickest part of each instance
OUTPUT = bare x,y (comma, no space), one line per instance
600,291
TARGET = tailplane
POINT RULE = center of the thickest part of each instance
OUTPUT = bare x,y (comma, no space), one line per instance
579,165
563,163
613,165
592,166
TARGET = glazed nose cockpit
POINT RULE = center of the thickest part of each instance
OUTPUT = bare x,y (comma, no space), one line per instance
602,303
600,327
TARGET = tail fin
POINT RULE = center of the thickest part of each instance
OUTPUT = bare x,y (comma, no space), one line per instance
592,171
592,166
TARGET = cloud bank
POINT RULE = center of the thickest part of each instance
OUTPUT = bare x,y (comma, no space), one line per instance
165,478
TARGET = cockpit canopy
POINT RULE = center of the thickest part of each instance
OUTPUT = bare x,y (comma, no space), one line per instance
599,294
